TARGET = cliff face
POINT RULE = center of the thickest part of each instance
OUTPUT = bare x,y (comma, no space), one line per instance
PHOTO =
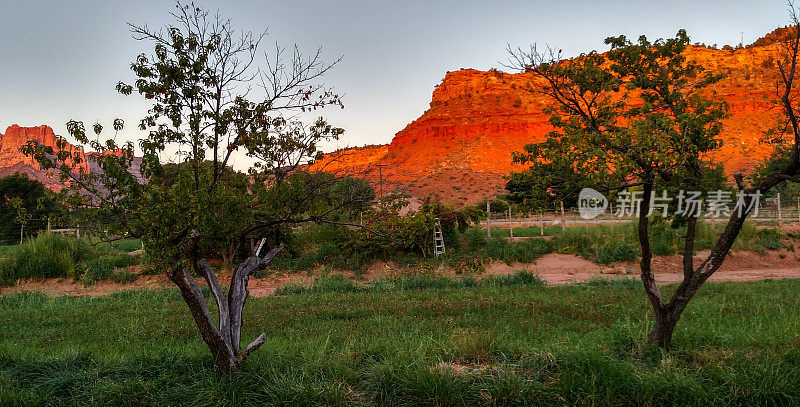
462,145
12,160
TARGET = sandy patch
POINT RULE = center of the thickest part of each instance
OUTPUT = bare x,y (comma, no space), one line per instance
554,268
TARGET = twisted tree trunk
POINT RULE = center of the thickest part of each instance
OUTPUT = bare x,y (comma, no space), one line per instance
224,339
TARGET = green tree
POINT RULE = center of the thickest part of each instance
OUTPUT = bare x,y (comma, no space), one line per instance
22,199
640,115
545,185
212,99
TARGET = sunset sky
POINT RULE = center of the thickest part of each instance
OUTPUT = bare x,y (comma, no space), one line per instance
60,60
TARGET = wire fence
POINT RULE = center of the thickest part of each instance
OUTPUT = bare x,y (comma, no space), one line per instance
769,210
18,233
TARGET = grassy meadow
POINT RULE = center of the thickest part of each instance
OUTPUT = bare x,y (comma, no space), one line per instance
513,342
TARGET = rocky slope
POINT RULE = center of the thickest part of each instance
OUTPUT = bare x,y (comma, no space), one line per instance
461,147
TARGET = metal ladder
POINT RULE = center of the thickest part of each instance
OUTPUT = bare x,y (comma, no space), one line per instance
438,239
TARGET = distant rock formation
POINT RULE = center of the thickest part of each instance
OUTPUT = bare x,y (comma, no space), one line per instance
461,147
12,160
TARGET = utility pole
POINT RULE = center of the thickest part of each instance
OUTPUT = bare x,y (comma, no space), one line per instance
380,175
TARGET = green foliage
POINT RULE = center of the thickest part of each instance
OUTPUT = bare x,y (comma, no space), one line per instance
107,268
544,186
484,345
128,245
770,239
621,251
518,278
47,255
778,159
23,199
387,230
525,251
53,255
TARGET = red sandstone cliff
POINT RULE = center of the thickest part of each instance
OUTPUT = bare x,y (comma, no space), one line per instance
462,145
12,160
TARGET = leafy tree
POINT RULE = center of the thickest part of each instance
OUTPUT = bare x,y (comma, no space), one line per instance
545,185
641,116
390,227
22,199
211,99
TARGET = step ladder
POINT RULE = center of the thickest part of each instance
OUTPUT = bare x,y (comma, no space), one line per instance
438,239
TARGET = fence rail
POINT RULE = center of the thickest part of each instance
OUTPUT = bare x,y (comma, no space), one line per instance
32,228
768,211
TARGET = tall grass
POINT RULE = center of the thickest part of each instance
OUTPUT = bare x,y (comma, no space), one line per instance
47,255
53,255
486,345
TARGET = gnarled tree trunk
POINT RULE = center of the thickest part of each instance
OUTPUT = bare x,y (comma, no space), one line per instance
224,339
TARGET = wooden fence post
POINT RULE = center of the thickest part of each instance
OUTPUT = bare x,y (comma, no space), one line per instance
488,220
541,224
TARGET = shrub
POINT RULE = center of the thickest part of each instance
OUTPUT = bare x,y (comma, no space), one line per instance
525,251
105,268
521,277
472,263
48,255
97,270
574,240
614,252
306,261
770,239
476,239
327,252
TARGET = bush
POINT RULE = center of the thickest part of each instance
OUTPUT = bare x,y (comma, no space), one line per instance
327,253
525,251
470,264
104,268
476,239
574,240
48,255
306,261
521,277
770,239
621,251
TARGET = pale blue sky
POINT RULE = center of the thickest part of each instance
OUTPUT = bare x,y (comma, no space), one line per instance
60,60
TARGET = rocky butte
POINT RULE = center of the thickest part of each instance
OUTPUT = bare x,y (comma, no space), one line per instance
12,160
461,147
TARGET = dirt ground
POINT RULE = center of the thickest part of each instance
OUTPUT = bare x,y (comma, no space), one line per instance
554,268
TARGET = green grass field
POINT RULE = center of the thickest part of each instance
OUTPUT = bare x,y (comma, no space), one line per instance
737,344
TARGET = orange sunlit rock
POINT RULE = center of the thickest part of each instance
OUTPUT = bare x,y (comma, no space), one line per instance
477,119
12,160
